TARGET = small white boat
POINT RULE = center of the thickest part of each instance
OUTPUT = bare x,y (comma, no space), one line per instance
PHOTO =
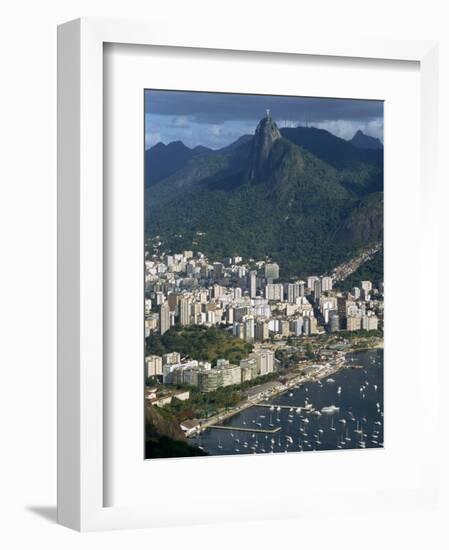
331,409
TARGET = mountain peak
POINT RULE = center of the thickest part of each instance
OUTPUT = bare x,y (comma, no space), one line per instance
363,141
265,135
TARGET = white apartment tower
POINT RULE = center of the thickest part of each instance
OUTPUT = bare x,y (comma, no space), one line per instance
165,318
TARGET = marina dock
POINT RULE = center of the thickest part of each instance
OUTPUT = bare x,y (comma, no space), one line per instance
268,406
241,429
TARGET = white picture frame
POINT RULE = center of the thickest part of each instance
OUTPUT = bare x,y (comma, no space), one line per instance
81,476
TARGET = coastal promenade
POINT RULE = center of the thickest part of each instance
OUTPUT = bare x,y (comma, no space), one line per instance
215,421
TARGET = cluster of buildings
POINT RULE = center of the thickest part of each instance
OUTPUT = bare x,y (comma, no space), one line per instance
201,374
359,309
249,299
160,399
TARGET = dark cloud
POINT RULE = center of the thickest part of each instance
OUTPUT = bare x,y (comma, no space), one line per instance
217,108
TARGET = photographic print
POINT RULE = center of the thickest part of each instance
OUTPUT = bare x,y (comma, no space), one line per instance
263,260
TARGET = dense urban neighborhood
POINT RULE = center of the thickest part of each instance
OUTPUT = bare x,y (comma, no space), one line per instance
235,324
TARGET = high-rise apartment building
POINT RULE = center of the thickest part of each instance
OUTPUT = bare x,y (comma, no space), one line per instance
262,331
153,365
252,284
294,291
334,321
274,292
272,271
353,322
249,329
311,280
317,290
164,318
366,285
264,359
326,284
184,311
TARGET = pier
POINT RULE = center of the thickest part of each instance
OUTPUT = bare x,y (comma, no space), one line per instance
251,430
268,406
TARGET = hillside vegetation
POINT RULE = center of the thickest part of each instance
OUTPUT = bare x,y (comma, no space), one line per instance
200,343
302,196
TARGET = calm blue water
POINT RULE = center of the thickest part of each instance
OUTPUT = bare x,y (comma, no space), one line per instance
358,423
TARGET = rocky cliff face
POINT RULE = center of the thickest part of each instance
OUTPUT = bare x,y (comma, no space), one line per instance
266,134
164,438
157,425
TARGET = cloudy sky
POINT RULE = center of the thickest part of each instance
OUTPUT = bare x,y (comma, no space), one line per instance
217,119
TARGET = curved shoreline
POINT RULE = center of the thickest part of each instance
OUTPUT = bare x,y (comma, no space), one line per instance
297,381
